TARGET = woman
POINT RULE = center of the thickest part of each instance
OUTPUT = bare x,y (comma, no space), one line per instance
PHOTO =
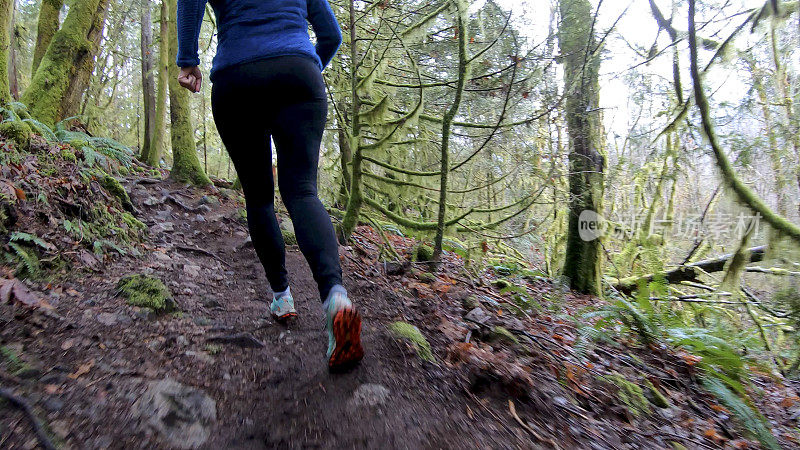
267,83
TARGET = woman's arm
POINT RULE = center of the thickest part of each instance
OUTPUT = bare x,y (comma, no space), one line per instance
190,18
329,35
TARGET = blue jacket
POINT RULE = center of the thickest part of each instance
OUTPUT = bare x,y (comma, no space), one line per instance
258,29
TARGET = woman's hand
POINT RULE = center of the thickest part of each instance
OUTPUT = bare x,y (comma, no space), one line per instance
190,78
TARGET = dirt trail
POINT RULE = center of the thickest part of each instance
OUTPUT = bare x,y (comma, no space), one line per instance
222,374
279,395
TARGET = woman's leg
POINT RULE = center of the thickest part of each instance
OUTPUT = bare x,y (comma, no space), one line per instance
297,131
247,142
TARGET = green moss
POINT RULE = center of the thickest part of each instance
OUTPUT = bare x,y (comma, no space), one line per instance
146,292
69,155
656,397
133,222
14,364
407,331
114,187
630,394
426,277
213,349
18,132
50,85
19,109
423,252
501,334
289,237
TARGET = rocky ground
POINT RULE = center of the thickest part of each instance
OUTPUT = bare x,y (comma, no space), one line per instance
218,372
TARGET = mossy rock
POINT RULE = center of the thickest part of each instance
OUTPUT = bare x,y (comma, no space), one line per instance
501,284
423,252
289,237
427,277
18,132
404,330
471,302
630,394
115,188
501,334
146,292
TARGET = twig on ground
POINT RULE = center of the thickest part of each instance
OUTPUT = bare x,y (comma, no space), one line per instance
202,252
23,405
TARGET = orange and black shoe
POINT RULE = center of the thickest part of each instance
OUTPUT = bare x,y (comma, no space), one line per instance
282,307
343,324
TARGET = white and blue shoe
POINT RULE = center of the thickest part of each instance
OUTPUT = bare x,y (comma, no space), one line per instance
282,306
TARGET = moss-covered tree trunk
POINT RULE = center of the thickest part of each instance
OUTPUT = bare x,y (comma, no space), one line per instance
65,62
447,124
148,82
45,30
6,7
85,63
356,199
13,54
583,259
185,164
156,146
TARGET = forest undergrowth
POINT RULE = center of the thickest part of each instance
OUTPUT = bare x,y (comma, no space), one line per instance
115,280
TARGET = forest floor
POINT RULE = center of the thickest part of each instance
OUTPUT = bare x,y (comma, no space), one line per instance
220,373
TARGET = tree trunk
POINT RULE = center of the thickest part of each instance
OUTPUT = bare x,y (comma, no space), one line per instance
148,83
6,7
356,200
13,49
46,29
156,145
185,164
447,123
67,63
583,262
85,63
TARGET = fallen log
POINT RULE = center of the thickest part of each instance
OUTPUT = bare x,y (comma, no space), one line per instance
688,272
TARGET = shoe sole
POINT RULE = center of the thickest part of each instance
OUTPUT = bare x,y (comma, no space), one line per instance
347,332
285,317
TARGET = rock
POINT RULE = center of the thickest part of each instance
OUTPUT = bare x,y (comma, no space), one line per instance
478,315
17,131
53,404
501,334
394,267
471,302
163,227
192,270
210,302
202,321
199,218
200,356
180,414
107,319
244,340
369,395
209,200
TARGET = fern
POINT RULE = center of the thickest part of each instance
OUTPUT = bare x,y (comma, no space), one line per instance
113,149
750,419
28,261
19,236
9,115
42,129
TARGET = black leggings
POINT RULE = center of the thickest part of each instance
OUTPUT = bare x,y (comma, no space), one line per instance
282,98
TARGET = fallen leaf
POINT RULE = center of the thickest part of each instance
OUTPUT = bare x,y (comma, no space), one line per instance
12,290
20,193
82,370
68,344
50,388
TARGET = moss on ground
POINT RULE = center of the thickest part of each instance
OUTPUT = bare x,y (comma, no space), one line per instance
289,237
423,252
18,132
501,334
146,292
630,394
114,187
404,330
